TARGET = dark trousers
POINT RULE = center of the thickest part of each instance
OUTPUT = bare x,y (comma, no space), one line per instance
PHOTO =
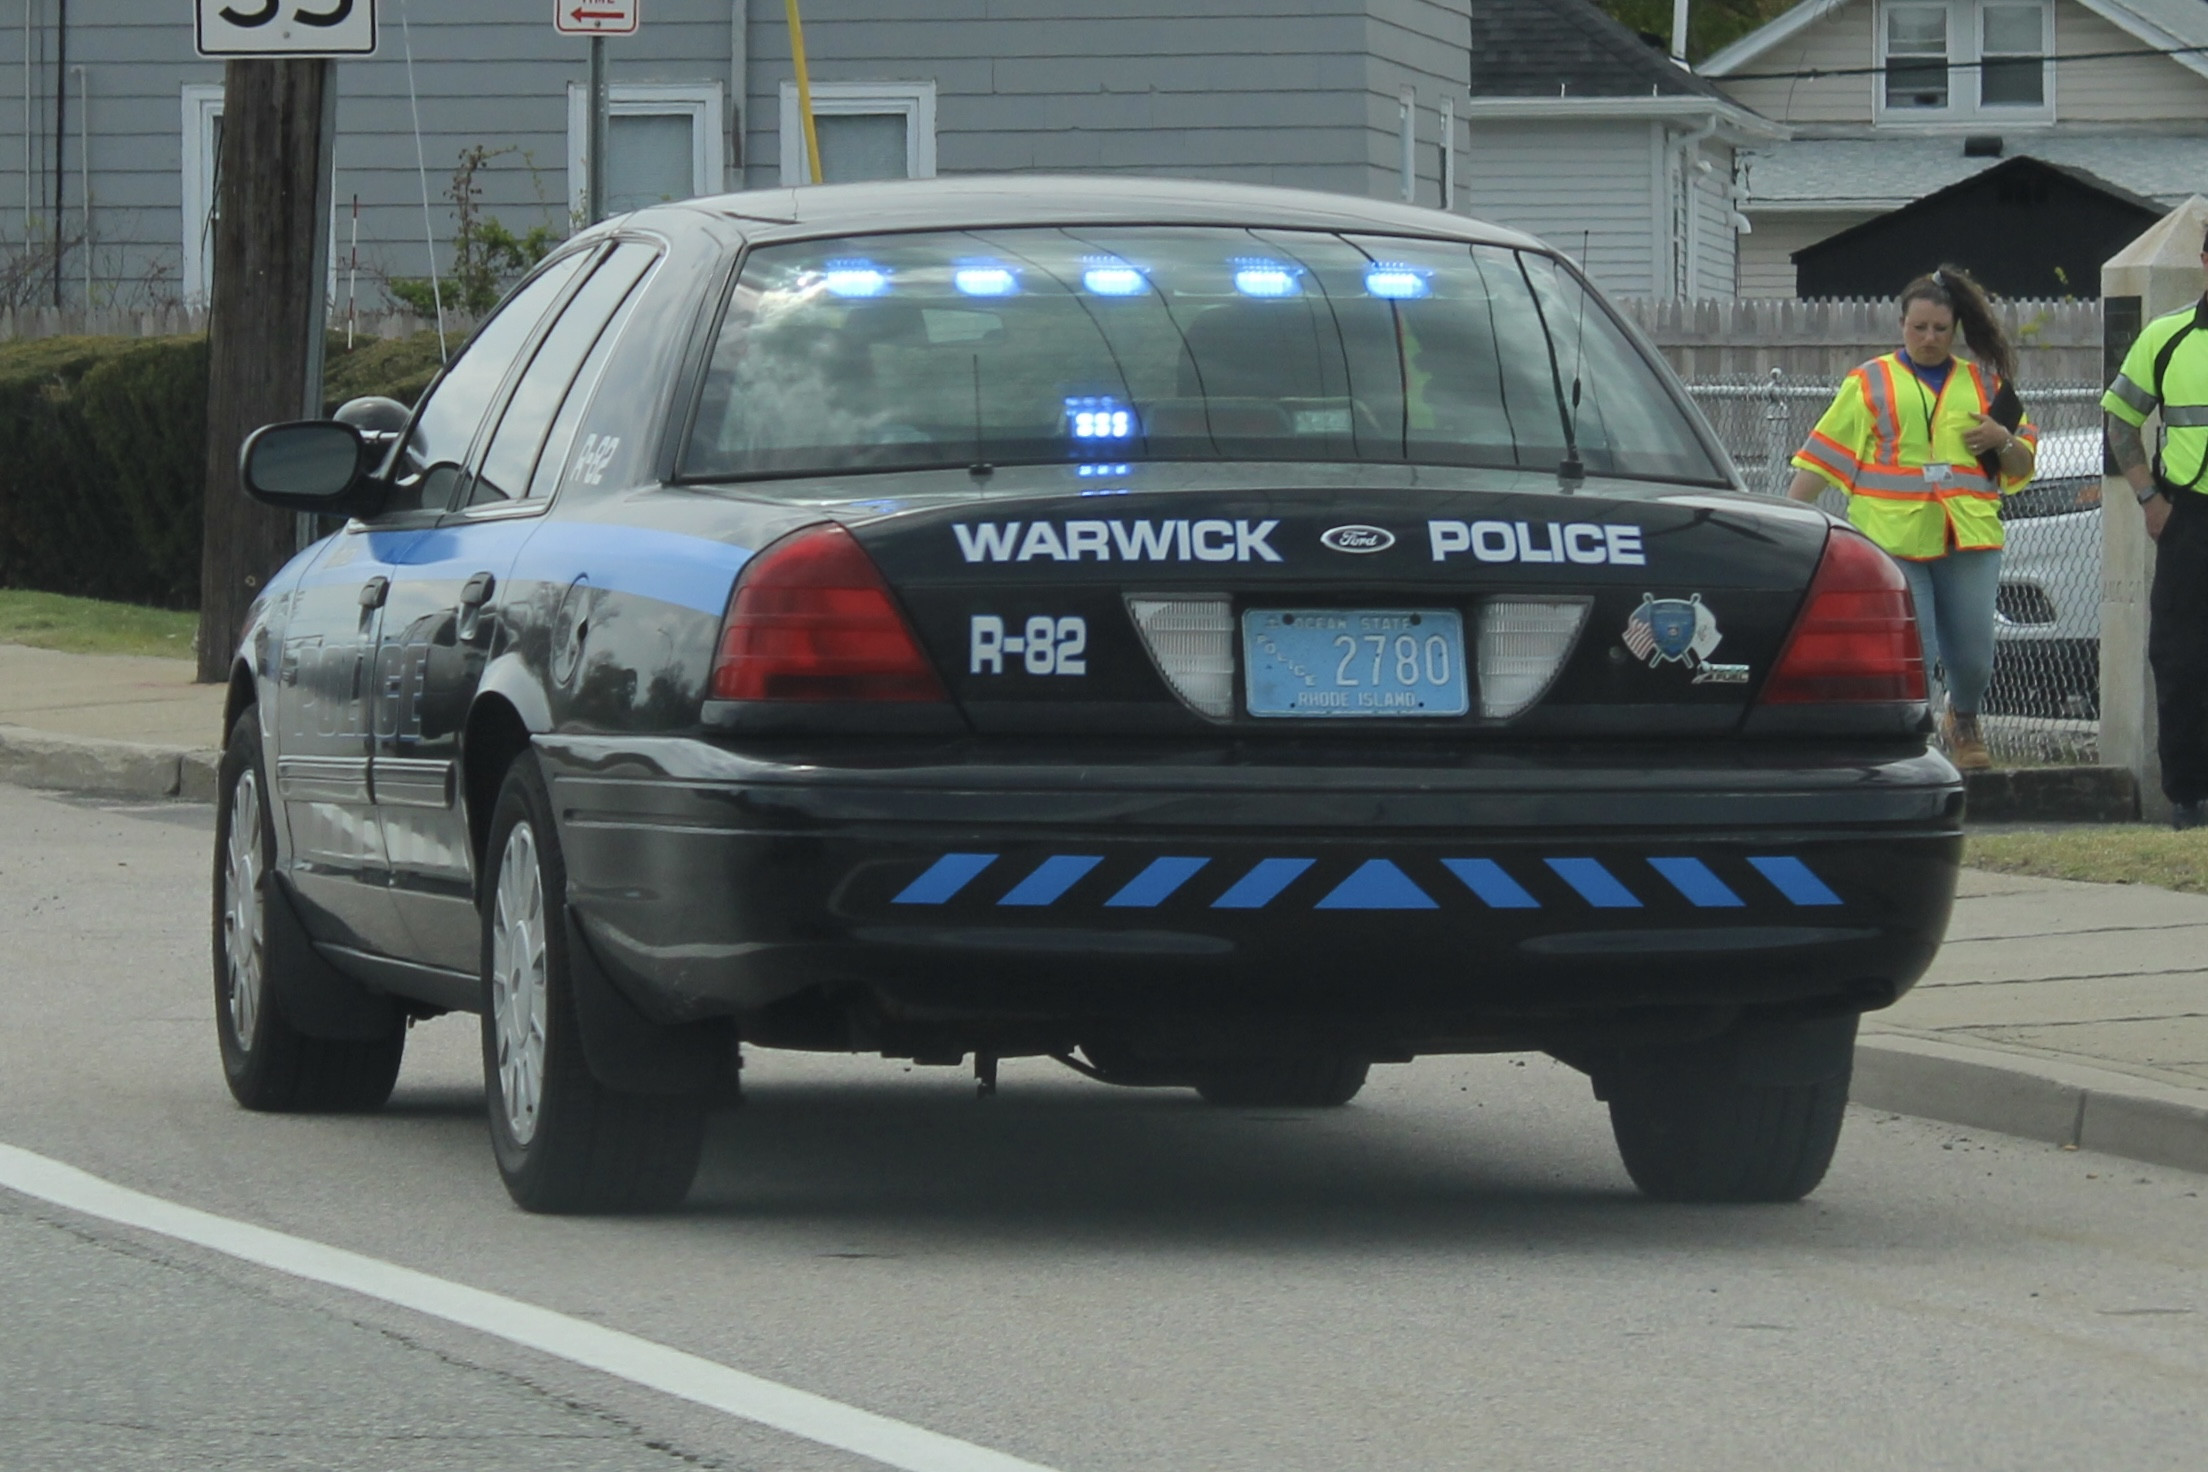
2177,646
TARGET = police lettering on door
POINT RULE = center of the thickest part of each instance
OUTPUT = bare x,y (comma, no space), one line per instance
1045,645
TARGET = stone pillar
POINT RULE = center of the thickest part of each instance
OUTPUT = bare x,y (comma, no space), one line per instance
2157,273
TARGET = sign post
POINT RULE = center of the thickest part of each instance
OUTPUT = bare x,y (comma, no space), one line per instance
268,308
596,19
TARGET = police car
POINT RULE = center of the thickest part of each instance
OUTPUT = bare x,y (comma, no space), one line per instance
1219,638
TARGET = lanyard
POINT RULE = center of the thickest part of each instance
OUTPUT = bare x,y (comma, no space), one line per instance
1929,401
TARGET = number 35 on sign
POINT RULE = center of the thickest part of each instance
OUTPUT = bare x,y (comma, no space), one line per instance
287,27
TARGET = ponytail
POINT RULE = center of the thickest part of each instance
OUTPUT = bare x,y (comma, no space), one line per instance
1952,288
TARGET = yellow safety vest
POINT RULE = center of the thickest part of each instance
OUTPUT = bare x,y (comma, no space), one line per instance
2181,393
1885,427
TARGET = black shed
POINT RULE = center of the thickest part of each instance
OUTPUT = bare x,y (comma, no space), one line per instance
2024,228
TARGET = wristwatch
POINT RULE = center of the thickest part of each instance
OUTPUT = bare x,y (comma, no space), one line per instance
2149,493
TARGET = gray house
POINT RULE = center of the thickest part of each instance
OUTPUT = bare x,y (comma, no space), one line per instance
110,155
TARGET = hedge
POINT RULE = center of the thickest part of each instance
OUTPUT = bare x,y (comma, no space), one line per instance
103,449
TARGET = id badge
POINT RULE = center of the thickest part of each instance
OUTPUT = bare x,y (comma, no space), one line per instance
1938,475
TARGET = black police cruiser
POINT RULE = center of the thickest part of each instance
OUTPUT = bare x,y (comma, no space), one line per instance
1215,637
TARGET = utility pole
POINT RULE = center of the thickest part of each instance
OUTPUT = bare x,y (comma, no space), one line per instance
265,319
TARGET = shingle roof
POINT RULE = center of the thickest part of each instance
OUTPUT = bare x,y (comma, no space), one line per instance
2154,22
1547,48
1881,173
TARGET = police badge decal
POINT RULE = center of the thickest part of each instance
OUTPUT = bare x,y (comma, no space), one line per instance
1680,631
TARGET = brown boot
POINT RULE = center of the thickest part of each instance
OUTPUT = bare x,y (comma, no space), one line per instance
1966,746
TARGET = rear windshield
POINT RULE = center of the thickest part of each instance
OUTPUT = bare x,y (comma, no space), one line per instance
1125,345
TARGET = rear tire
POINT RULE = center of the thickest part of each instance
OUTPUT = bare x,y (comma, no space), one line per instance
1308,1081
269,1064
564,1141
1690,1127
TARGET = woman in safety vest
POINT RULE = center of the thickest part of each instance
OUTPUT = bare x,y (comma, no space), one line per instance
1903,438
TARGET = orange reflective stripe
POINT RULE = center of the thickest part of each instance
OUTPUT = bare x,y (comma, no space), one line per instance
1885,403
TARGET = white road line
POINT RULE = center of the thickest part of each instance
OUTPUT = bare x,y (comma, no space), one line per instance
639,1361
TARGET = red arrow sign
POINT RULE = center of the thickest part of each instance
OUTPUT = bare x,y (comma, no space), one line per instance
596,17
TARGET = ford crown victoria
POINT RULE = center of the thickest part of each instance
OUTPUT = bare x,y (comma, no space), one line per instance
1219,638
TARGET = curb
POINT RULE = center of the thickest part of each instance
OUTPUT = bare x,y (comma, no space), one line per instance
2052,795
110,768
2050,1099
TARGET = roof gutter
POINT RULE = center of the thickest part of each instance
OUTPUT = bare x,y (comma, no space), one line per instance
1733,121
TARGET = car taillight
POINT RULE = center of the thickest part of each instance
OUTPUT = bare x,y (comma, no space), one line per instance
811,619
1856,637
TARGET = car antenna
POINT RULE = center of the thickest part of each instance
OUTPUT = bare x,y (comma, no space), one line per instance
1569,471
981,468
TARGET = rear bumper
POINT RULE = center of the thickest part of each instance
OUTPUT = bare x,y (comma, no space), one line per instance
964,881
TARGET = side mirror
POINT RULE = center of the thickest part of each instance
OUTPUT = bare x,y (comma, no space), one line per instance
311,465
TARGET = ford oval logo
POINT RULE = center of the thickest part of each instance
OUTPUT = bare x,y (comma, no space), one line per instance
1358,538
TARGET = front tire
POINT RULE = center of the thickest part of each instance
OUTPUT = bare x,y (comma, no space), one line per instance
268,1063
564,1141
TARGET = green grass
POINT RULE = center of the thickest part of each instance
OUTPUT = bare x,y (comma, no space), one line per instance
89,626
2119,853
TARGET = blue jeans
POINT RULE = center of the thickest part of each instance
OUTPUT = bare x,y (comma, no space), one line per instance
1954,596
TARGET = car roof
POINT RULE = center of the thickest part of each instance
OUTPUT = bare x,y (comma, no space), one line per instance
979,201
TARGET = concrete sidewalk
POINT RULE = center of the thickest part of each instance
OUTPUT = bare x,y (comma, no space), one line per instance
2072,1013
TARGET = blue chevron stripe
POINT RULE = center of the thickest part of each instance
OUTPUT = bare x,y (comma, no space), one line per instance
1052,878
1266,879
943,879
1596,885
1692,878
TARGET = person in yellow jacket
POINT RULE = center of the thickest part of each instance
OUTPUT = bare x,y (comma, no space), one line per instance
1904,438
2166,372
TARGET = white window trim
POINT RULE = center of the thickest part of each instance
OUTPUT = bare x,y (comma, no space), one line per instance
1965,38
202,105
701,102
915,101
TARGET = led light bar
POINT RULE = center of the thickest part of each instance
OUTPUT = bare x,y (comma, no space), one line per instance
1191,641
1396,283
1099,418
1108,276
855,278
985,279
1266,278
1523,645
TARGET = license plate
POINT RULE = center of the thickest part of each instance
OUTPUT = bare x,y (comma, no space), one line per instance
1307,662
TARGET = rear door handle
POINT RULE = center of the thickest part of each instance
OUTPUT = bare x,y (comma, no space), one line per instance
477,591
372,592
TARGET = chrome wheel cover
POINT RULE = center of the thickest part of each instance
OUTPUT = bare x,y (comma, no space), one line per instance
244,921
518,962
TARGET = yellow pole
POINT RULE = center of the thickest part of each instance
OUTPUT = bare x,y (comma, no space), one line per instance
804,91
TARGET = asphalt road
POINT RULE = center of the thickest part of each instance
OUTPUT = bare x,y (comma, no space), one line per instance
1451,1273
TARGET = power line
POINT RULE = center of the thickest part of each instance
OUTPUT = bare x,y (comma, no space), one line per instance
1811,74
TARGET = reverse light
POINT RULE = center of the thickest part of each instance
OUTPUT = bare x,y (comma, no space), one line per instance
812,619
1856,636
1523,642
1191,640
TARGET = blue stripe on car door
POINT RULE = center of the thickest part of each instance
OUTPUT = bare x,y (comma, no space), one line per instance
1052,878
1792,878
1596,885
1267,878
1692,878
1496,889
944,878
1155,884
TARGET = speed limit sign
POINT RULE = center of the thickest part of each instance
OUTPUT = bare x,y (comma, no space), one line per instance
287,27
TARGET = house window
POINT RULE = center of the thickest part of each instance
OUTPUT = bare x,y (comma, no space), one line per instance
2013,48
1958,60
1916,56
867,130
663,142
202,150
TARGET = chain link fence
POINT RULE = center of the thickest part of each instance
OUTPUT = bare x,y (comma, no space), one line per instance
2044,705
